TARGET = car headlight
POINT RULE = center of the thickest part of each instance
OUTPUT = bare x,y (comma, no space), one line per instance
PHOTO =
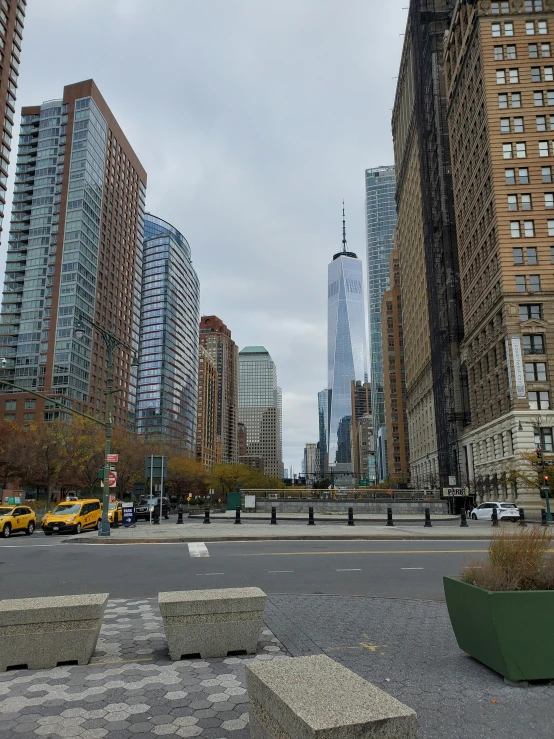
70,519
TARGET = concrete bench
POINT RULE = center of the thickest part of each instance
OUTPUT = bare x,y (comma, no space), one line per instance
307,697
40,633
212,623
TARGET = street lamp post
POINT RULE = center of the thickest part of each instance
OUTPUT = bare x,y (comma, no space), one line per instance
112,343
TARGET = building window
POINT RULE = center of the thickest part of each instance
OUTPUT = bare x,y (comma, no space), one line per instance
508,29
503,100
513,76
542,27
549,200
498,53
505,125
535,371
521,284
534,283
530,311
539,400
538,98
500,7
526,203
550,97
496,30
550,224
518,255
532,255
548,74
535,74
533,5
518,125
529,229
523,176
544,151
30,403
546,174
533,343
9,417
530,28
515,229
510,175
521,149
545,50
516,99
541,122
512,202
533,51
11,405
500,76
28,416
508,151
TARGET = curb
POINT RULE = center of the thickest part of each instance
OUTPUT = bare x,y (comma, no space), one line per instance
323,537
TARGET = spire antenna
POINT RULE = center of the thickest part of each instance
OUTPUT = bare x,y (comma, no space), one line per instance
343,229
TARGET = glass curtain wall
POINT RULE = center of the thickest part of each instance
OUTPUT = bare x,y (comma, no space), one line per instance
170,314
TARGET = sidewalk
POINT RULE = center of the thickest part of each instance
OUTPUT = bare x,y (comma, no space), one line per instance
169,532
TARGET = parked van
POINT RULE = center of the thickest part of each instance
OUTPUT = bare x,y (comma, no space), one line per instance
72,517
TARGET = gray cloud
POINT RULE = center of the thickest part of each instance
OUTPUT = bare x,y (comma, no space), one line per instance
253,119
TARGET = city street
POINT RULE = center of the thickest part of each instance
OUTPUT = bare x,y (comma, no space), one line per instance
43,566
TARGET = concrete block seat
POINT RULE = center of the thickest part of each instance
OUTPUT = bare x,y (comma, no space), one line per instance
306,697
40,633
212,623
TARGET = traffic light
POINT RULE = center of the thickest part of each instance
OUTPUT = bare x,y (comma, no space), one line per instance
546,480
539,452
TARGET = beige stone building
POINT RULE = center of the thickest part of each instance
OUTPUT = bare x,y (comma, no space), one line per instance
499,70
208,447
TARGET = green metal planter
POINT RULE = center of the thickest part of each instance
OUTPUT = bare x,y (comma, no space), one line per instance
510,632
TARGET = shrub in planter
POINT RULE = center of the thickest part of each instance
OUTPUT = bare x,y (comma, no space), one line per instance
502,608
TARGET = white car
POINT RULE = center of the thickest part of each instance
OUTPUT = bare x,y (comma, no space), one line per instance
504,511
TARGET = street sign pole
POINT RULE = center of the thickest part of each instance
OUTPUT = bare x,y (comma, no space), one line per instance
151,478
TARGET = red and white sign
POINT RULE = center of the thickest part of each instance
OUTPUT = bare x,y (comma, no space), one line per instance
112,458
112,480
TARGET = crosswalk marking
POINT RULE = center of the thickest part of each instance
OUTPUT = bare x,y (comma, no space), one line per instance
198,549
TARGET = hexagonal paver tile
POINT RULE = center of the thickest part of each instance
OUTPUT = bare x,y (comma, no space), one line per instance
185,721
234,724
165,729
188,731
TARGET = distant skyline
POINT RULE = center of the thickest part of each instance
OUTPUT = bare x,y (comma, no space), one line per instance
249,151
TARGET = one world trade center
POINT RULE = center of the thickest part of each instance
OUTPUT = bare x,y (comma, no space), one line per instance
346,347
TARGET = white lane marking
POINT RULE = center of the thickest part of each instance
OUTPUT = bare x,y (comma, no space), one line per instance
202,574
352,569
276,572
25,546
198,549
411,568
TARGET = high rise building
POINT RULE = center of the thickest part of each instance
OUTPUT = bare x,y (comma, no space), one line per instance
208,450
12,19
260,408
398,454
311,463
216,339
380,186
427,245
323,423
168,369
75,248
346,352
498,75
360,403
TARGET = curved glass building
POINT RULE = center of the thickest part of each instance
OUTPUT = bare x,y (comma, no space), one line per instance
170,313
346,352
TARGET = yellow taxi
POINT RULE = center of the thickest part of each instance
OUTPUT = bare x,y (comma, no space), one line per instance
72,517
115,512
16,518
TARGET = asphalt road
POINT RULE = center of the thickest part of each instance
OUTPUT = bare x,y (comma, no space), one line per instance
39,566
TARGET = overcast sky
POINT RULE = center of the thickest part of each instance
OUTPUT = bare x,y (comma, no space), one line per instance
253,119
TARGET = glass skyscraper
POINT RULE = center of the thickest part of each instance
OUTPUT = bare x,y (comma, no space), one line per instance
323,418
170,313
380,185
346,352
260,408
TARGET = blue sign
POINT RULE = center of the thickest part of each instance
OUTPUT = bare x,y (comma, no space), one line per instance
128,514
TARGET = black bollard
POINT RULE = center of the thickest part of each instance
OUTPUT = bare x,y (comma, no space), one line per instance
522,517
207,516
274,516
351,517
237,515
311,521
156,516
428,523
116,518
544,522
494,517
463,520
389,517
180,514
